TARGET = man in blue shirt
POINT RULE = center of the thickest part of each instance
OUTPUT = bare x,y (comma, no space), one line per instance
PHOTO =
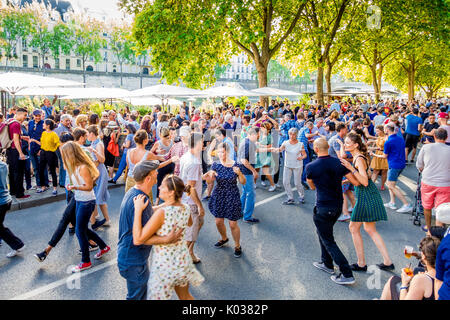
132,259
48,109
412,130
286,126
35,129
393,152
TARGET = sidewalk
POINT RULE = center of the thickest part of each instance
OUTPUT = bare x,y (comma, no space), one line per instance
38,199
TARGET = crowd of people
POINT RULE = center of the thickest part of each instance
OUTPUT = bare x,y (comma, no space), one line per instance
176,165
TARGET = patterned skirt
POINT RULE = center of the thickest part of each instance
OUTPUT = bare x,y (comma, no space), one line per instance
369,205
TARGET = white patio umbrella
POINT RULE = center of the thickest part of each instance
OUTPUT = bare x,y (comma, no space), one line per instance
227,91
97,93
164,91
14,82
51,91
152,102
274,92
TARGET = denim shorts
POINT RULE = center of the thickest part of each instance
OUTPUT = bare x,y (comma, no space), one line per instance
393,174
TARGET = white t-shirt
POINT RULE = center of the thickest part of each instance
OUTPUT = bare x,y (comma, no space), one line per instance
191,170
292,152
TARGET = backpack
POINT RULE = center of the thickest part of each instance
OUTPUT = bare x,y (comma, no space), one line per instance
5,138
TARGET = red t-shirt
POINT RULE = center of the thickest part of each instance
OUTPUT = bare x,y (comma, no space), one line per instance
14,127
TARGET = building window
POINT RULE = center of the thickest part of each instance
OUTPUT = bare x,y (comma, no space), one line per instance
35,62
24,45
145,71
56,63
25,61
67,64
78,63
89,68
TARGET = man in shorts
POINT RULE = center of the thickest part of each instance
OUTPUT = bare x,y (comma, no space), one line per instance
394,153
434,163
412,129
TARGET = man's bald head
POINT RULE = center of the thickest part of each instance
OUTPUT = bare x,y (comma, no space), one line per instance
321,146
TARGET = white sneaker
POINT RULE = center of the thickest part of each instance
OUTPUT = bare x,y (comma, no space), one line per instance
405,209
263,183
344,217
390,205
14,252
272,188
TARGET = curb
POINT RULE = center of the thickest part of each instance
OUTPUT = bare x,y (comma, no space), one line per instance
20,205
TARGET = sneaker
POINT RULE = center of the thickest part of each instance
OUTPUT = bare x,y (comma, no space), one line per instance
26,196
323,267
237,252
340,279
382,266
263,184
91,248
252,220
40,190
111,181
206,198
405,209
272,188
344,217
289,202
220,243
81,267
98,224
15,252
41,256
55,192
302,200
72,231
356,267
278,185
107,224
390,205
102,252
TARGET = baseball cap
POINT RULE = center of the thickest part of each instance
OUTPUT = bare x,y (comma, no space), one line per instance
443,115
143,169
37,113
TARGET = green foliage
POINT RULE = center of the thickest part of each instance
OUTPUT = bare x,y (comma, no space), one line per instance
121,44
241,101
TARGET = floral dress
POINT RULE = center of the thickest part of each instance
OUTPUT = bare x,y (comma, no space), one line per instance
171,264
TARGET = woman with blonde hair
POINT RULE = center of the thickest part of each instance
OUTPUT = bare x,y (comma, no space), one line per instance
82,175
82,121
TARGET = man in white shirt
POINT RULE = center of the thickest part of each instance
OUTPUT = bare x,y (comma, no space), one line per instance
191,174
434,163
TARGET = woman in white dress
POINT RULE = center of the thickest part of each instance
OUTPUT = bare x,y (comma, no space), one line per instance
172,267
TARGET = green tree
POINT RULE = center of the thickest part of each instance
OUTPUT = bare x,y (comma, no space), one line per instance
121,45
88,35
277,72
189,38
434,74
16,24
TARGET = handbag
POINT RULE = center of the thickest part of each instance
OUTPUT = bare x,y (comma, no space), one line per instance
113,147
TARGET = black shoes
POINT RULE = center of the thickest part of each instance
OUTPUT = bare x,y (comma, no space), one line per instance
356,267
384,267
252,220
98,224
72,231
41,256
220,243
111,181
237,252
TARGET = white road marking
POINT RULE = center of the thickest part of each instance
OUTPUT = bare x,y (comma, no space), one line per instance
63,281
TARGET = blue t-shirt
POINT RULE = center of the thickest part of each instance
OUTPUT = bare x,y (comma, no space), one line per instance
48,111
412,124
127,253
443,268
35,132
5,197
394,147
326,173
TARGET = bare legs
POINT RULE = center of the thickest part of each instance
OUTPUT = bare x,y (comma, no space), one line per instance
375,175
370,228
394,191
235,231
183,293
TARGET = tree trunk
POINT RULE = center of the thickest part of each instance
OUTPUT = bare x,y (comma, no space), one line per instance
121,75
262,82
328,81
411,80
376,89
319,90
84,72
379,77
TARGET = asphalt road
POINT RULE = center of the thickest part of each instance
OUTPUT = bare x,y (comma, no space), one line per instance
276,263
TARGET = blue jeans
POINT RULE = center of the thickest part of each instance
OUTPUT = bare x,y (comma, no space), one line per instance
137,278
35,162
305,162
122,165
62,172
84,211
248,197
